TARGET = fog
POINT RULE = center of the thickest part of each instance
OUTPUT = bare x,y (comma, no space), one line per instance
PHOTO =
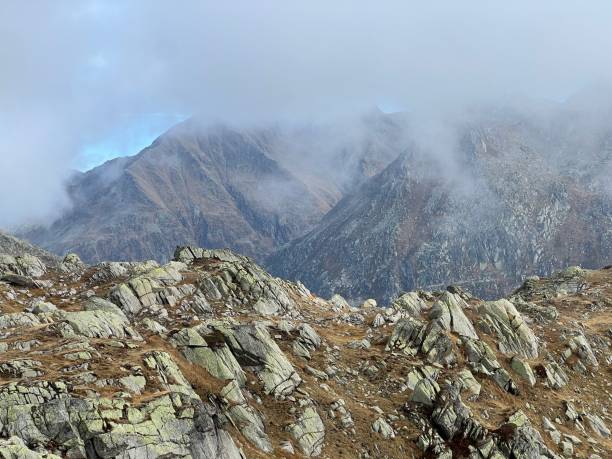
74,71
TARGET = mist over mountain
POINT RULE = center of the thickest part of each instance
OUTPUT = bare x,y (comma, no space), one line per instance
521,195
365,206
217,186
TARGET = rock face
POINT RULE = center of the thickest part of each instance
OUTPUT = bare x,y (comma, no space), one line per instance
10,245
514,335
209,356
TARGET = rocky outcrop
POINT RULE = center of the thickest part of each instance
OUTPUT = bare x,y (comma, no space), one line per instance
514,335
95,324
149,289
254,347
24,265
239,280
181,371
448,310
309,432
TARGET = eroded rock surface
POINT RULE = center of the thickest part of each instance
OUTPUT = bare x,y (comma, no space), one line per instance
209,356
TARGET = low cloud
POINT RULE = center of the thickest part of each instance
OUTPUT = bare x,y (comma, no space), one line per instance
73,70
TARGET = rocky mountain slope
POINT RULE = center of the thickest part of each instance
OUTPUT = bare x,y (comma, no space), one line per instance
516,198
251,190
208,356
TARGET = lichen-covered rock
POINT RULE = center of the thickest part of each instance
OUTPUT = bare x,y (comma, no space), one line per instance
244,417
169,375
18,319
407,336
309,432
482,359
579,347
425,392
597,425
556,378
469,383
418,373
72,264
15,448
171,425
253,346
410,303
339,410
411,336
339,303
513,335
452,418
383,428
100,304
448,310
239,279
523,369
148,289
307,341
95,324
217,358
437,345
522,440
24,265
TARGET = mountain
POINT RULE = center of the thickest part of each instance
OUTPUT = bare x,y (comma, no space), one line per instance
368,206
251,190
519,196
209,356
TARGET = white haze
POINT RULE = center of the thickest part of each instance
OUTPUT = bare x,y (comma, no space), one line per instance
73,70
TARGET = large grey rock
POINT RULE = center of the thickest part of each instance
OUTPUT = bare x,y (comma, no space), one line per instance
556,378
449,311
523,369
246,419
24,265
407,336
411,336
513,335
100,304
482,359
217,359
425,392
254,347
307,341
597,425
383,428
579,347
171,425
15,448
410,303
309,432
239,279
18,319
96,324
146,290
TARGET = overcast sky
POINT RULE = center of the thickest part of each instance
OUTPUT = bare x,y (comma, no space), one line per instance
78,78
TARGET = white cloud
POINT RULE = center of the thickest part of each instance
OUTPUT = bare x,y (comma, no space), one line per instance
71,68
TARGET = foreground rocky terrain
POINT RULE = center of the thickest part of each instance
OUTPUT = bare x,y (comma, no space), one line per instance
208,356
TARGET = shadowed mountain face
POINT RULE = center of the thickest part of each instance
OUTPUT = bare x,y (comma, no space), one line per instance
218,187
518,198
